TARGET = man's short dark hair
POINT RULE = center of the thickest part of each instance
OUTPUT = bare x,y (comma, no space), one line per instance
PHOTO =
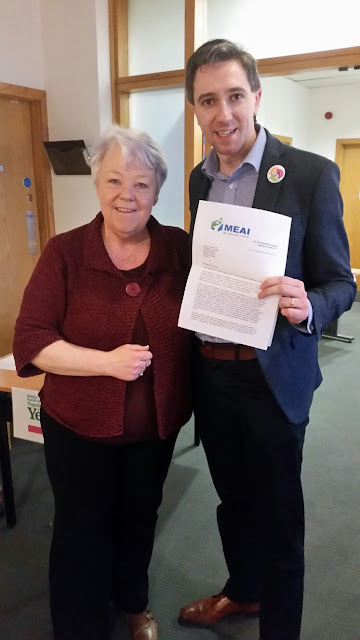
219,50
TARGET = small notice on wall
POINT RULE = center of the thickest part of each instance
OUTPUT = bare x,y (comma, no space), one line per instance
26,415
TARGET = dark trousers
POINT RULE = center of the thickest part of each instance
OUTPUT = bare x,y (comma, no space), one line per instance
254,455
106,501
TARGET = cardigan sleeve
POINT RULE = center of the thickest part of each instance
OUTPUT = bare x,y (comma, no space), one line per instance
42,311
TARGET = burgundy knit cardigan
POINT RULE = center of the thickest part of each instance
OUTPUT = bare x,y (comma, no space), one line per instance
77,294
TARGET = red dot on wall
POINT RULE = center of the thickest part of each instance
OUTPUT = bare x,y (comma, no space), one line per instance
328,115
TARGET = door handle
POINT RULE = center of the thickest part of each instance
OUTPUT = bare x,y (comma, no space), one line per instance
31,232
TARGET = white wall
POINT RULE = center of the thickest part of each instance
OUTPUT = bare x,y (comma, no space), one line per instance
77,82
284,109
300,114
268,29
344,103
21,51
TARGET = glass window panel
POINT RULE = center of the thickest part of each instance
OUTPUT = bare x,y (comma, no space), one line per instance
161,114
156,36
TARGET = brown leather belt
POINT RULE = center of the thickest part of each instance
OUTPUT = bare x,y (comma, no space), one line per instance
225,351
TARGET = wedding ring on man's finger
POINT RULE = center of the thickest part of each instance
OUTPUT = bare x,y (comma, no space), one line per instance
292,303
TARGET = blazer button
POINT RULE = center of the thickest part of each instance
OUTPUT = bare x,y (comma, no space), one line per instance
132,289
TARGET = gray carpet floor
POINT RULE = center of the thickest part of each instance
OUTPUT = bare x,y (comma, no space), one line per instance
187,561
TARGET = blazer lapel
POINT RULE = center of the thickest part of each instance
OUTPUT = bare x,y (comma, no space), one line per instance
266,193
202,187
199,190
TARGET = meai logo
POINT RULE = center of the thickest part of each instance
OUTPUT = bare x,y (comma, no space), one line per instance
216,223
220,225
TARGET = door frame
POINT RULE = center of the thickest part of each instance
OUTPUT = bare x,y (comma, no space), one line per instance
341,143
40,133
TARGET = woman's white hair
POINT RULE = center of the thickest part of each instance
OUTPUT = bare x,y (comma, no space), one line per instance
136,146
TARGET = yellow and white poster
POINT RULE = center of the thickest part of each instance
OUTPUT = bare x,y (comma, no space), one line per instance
26,415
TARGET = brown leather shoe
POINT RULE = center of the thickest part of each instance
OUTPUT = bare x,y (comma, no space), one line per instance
142,626
207,611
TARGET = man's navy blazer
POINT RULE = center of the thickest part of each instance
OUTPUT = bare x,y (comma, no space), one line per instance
318,255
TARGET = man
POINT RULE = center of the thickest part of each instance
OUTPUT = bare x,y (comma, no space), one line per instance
252,406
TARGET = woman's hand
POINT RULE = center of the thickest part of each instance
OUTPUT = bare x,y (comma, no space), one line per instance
128,362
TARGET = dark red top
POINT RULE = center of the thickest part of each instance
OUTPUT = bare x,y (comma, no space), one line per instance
77,294
140,414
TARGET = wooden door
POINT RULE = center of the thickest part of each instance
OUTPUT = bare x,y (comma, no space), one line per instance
19,232
348,159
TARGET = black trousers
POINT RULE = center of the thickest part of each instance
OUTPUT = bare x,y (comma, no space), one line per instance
106,502
255,455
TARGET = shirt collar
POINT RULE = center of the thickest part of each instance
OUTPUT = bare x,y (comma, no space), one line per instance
254,157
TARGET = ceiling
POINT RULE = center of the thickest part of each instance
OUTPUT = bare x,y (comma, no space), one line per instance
326,77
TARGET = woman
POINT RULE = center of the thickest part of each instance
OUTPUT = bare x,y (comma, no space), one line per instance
99,316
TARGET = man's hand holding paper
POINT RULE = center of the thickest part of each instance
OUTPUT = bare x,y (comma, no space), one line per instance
294,303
